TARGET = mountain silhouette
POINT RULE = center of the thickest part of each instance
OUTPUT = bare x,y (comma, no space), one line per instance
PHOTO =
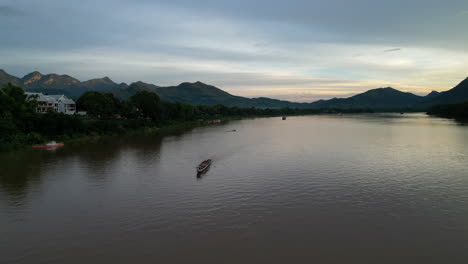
199,93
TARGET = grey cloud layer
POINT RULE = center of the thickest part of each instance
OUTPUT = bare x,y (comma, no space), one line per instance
297,46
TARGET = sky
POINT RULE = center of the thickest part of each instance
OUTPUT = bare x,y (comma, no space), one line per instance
297,50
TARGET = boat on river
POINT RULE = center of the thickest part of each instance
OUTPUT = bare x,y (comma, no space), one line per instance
284,118
49,145
204,166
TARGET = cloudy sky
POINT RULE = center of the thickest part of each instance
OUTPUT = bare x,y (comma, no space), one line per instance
299,50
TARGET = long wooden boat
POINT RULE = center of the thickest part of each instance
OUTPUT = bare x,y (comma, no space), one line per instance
203,167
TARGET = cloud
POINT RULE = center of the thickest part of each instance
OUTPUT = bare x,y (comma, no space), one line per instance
299,51
463,13
9,11
304,73
392,50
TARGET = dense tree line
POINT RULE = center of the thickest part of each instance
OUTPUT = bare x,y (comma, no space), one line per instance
457,111
20,125
147,105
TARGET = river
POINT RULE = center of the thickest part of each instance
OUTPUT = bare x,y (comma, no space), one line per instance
367,188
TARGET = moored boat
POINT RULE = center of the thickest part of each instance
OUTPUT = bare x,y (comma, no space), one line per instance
51,144
284,118
203,167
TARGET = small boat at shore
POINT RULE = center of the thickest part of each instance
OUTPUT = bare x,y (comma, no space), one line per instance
284,118
204,166
49,145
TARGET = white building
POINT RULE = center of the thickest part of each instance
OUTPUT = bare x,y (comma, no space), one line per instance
65,104
53,103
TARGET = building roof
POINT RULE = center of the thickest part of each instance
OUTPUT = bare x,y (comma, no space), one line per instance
51,98
68,101
56,97
62,98
40,97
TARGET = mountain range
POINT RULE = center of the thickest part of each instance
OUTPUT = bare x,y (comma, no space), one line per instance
198,93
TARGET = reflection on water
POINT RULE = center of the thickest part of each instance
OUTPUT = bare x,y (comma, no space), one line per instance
20,169
380,188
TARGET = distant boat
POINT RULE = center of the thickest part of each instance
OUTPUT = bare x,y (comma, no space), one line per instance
231,130
284,118
204,166
49,145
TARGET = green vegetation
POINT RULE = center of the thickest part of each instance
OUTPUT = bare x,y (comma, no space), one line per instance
21,126
457,111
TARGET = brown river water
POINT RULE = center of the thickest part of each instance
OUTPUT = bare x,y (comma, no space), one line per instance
369,188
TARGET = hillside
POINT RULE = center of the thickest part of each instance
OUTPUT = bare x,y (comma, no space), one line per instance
458,111
36,80
431,95
101,84
199,93
58,84
7,78
381,98
458,94
124,92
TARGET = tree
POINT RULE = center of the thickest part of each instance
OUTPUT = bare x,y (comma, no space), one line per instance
98,104
16,107
148,104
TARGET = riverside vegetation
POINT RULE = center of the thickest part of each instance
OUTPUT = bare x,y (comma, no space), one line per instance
457,111
21,126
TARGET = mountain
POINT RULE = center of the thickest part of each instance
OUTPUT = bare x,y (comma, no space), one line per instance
264,102
59,84
123,91
198,93
99,84
7,78
36,80
455,95
431,95
381,98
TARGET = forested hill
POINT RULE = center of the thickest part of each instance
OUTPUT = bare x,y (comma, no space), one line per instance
456,95
198,93
376,99
58,84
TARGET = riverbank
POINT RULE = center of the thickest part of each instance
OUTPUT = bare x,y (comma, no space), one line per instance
458,111
122,128
96,129
110,128
21,125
